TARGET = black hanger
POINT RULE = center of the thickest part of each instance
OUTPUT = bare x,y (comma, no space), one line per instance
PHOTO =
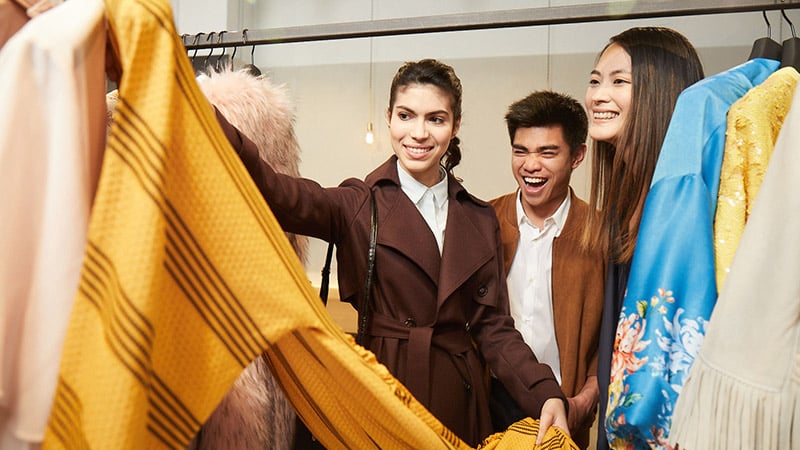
194,42
209,38
235,47
766,47
222,62
790,56
251,68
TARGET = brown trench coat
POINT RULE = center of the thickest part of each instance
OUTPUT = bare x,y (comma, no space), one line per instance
435,320
578,279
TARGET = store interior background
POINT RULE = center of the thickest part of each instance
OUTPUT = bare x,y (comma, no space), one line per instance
339,86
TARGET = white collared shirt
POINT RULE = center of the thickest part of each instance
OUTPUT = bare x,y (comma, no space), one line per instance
530,282
431,202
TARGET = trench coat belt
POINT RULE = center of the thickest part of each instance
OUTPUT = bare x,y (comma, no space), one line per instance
420,339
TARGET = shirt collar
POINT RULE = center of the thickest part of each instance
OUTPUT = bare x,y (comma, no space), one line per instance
559,218
415,190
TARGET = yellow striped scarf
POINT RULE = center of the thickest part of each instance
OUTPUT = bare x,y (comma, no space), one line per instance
187,277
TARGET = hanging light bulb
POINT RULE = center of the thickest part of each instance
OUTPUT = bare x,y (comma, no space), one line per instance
369,138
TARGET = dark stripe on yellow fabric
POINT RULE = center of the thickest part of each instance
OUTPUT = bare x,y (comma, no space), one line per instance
66,416
204,308
307,396
118,332
92,284
449,437
173,413
235,318
125,316
231,324
149,172
168,443
132,344
166,434
531,429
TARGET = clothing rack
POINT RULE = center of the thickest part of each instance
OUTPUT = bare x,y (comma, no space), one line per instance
554,15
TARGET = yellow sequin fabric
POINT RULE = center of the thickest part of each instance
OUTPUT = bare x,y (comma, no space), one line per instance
754,122
187,277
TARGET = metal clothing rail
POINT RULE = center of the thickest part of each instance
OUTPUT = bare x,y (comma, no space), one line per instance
554,15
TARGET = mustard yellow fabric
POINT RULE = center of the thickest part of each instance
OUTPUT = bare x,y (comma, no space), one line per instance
754,122
187,277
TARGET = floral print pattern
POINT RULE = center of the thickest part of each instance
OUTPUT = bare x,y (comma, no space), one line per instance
637,361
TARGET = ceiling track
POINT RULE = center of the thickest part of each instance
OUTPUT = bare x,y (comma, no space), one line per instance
526,17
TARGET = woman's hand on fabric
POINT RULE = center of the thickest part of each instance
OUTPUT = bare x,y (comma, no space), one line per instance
554,413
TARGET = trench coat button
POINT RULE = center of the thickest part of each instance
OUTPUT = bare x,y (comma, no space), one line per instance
482,291
466,326
410,322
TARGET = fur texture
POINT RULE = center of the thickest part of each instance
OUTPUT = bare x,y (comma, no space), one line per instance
263,111
255,414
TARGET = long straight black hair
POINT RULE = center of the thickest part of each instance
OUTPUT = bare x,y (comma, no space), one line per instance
664,63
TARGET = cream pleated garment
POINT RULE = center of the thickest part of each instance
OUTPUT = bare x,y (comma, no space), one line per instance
188,277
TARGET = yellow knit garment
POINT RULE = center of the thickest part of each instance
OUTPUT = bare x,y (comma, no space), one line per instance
187,277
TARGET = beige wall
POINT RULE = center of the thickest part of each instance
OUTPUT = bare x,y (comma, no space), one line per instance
330,80
333,111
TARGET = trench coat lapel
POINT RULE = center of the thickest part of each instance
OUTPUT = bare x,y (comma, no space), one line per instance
403,229
465,249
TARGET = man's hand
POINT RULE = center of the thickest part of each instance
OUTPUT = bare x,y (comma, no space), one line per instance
554,413
583,406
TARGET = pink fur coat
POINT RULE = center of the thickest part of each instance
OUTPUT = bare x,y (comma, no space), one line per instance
255,414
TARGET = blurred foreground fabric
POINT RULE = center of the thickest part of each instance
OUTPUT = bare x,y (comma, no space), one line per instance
187,277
